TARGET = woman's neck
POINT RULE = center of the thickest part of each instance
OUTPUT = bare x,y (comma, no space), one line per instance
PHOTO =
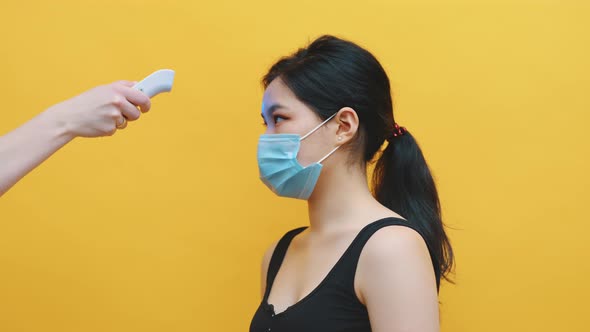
341,198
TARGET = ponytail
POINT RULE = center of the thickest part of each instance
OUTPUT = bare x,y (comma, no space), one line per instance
403,183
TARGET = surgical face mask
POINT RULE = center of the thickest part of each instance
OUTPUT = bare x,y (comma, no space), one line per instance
279,168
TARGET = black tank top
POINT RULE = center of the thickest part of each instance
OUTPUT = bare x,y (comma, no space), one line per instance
333,305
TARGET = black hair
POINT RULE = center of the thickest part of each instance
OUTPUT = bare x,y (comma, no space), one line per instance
332,73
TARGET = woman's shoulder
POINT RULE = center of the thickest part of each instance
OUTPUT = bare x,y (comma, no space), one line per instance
395,271
395,241
394,253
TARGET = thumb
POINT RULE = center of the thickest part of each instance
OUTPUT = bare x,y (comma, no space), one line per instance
127,83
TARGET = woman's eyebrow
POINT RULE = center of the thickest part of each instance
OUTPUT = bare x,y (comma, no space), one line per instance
271,109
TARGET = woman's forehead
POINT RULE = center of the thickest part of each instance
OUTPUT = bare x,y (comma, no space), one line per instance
277,96
277,90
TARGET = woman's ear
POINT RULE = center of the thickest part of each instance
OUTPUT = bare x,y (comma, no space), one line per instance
348,124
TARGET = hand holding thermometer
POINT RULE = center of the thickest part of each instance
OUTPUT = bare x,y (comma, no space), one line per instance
156,83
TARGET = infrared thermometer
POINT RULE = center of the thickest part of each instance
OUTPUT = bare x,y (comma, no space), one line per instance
156,83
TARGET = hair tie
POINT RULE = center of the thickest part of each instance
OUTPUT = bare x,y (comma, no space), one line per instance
398,131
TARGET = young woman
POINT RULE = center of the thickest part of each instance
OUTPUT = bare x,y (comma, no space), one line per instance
97,112
368,261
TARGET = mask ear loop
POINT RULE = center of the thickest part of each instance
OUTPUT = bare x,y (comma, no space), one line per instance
318,126
329,154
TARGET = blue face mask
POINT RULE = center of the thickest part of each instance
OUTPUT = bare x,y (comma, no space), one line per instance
279,169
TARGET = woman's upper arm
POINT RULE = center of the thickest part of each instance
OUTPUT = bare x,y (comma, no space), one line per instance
395,279
264,268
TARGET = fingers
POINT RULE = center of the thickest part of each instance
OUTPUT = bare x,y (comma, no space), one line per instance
128,110
134,96
121,123
118,120
138,98
109,128
126,102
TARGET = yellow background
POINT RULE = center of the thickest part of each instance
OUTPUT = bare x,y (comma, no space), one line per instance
162,227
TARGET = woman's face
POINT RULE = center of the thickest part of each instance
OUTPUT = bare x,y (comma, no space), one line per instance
283,113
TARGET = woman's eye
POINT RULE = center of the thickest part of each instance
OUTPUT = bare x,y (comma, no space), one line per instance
278,118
